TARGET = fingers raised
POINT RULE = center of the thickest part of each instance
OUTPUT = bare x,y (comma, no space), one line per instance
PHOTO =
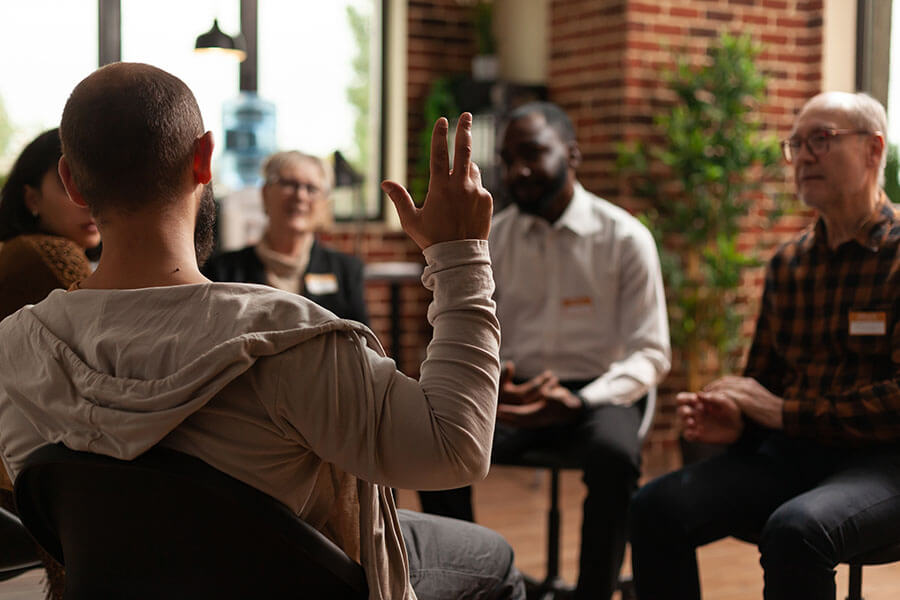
440,156
462,154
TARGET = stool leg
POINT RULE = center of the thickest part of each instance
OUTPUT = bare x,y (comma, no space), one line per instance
854,588
553,528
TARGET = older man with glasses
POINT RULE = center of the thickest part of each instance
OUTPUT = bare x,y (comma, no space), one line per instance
812,468
288,257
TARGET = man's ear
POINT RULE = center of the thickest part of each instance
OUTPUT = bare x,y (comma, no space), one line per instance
202,165
65,174
574,155
877,148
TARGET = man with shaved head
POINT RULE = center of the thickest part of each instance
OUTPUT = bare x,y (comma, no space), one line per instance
812,470
259,383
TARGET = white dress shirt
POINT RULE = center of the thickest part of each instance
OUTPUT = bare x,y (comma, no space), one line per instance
582,297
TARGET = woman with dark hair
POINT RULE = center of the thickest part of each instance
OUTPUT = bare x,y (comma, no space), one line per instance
43,239
43,234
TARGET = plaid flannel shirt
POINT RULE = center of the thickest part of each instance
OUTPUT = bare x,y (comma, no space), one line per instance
840,384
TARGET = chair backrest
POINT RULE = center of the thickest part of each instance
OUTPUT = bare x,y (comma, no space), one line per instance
168,525
648,414
17,550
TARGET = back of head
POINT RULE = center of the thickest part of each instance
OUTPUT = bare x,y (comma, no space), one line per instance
553,115
128,133
39,156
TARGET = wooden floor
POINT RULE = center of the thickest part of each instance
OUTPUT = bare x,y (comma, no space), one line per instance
514,501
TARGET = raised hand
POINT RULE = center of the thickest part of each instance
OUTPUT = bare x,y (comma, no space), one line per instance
456,207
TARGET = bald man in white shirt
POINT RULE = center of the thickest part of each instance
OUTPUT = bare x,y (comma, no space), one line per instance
584,332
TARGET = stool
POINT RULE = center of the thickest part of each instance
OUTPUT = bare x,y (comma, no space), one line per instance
553,585
879,556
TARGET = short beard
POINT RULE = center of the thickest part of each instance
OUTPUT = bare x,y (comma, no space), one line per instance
542,205
204,229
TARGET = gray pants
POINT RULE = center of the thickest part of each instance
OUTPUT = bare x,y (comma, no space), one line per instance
456,560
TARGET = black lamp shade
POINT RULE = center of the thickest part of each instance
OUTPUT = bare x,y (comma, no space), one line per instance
216,40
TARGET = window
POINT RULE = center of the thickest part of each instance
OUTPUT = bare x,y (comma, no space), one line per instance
320,64
150,34
43,59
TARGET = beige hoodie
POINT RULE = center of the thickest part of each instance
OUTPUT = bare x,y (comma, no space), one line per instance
269,388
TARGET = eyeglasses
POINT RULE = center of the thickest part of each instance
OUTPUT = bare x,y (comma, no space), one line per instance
818,142
292,186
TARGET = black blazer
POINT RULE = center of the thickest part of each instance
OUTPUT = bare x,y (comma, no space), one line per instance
347,302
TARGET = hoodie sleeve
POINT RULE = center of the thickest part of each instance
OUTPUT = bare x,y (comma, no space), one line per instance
353,408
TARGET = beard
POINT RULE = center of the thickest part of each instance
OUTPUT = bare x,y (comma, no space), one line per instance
204,229
545,190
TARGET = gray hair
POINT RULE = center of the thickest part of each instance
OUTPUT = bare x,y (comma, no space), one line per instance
273,165
864,111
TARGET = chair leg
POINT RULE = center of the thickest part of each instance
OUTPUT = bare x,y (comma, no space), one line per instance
553,584
553,527
854,589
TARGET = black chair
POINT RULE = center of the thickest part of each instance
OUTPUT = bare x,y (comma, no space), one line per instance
881,556
167,525
17,550
553,585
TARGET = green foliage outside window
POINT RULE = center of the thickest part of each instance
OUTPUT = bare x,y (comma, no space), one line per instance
891,172
5,135
358,92
700,177
440,102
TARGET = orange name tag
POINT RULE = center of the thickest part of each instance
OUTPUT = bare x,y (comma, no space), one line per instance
320,284
868,323
577,302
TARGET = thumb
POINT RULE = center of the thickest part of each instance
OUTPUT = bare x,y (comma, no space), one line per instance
403,202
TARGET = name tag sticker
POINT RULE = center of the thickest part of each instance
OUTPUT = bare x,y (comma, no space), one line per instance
577,302
868,323
320,284
577,307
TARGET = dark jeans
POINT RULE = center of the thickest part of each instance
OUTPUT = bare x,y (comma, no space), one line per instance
605,444
455,560
811,507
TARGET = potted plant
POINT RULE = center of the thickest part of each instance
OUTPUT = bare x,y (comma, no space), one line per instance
703,176
485,65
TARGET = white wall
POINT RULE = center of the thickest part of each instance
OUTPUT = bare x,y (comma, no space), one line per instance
520,28
839,46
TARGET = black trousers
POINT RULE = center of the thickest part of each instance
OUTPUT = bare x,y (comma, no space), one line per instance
811,507
605,444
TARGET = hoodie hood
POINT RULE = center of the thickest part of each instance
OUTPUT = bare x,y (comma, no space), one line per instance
114,371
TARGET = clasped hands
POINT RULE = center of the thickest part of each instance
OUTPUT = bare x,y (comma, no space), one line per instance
716,413
539,402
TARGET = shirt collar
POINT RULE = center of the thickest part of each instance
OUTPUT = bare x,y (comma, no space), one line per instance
875,233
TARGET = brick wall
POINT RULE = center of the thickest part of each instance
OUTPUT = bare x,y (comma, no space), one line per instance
603,69
441,42
605,57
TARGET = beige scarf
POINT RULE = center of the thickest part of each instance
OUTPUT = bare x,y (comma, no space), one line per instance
282,271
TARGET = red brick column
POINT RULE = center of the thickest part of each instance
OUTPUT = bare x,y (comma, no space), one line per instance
604,69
